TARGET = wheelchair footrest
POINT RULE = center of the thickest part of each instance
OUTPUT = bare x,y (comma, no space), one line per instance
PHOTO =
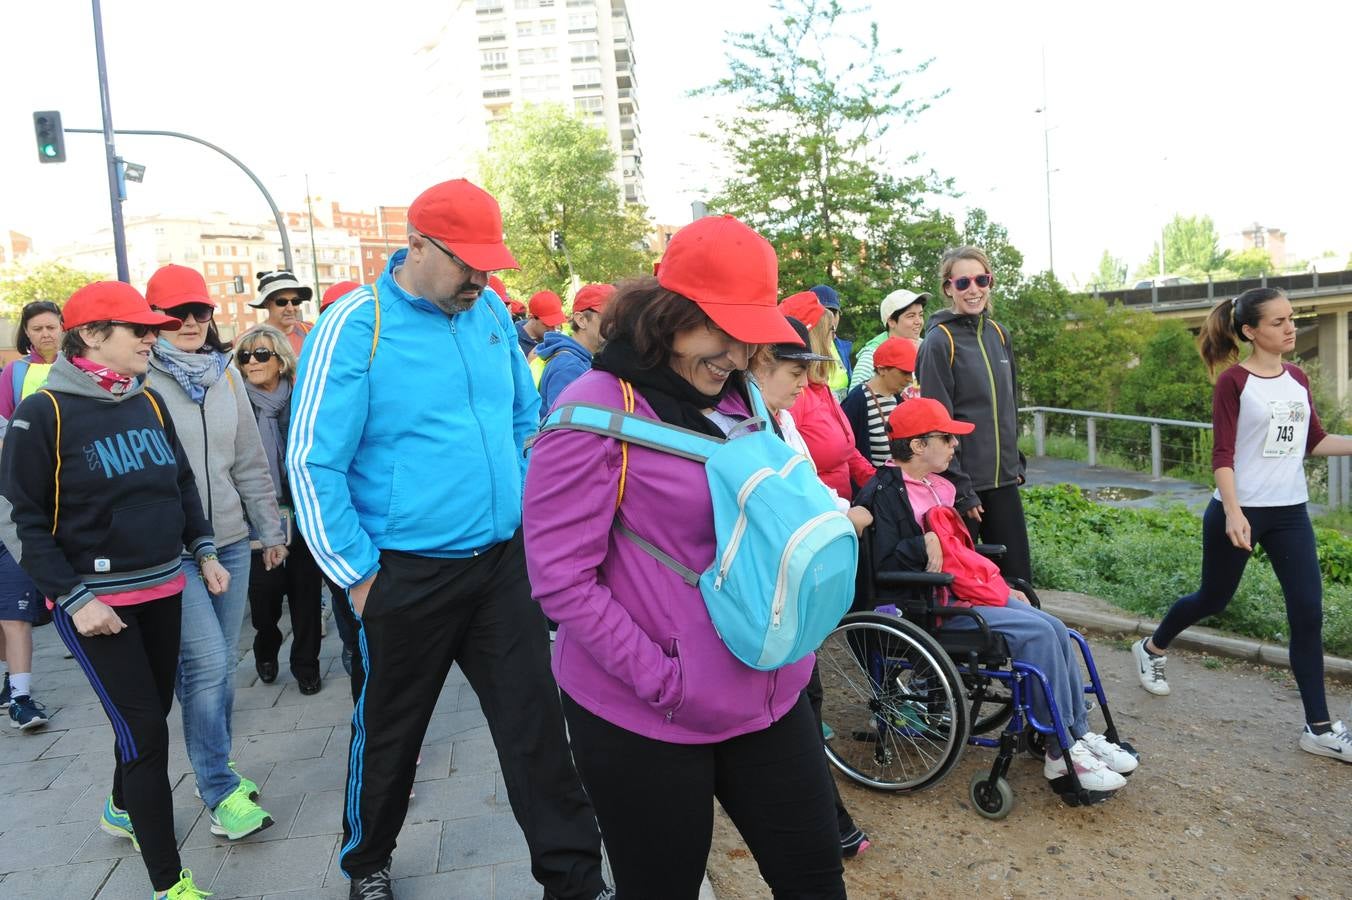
1065,789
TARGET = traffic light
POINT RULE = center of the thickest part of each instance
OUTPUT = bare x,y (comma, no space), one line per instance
556,240
51,139
239,284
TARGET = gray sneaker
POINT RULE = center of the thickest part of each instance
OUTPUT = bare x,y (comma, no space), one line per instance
1150,669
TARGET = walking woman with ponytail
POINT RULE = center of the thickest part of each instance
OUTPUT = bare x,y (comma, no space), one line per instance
1265,424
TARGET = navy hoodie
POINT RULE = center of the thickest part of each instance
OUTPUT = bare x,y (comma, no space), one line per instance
565,362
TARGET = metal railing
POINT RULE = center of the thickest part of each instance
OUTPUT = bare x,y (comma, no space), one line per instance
1339,467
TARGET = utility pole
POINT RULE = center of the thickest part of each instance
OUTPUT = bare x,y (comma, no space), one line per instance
115,191
1047,164
314,253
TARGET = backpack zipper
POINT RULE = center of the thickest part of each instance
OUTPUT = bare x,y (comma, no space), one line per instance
782,582
740,528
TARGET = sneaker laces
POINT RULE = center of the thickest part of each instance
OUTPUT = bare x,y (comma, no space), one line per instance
1342,735
1156,666
375,886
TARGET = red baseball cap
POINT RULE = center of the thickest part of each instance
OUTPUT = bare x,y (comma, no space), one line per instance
922,415
336,292
730,272
516,307
548,308
499,288
172,286
803,306
895,353
593,296
113,301
465,218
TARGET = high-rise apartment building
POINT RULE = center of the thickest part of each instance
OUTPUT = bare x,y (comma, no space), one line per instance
492,55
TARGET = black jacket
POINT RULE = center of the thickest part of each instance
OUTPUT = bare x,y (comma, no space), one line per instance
118,485
967,364
898,540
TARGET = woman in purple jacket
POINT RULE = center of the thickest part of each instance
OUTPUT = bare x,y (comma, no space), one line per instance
662,717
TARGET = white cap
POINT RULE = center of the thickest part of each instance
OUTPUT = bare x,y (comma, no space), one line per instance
899,300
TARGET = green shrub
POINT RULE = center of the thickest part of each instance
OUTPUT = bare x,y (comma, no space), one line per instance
1145,559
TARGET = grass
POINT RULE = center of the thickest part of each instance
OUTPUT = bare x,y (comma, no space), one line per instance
1144,559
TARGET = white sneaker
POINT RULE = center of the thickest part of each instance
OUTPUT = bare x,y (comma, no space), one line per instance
1091,771
1335,744
1150,669
1111,755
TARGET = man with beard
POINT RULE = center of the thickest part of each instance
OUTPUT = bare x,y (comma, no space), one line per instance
281,295
406,458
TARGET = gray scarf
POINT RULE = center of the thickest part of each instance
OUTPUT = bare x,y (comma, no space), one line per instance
273,411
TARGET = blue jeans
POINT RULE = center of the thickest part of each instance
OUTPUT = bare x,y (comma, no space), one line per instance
207,659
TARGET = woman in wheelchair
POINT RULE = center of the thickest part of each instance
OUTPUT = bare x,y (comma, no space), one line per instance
923,438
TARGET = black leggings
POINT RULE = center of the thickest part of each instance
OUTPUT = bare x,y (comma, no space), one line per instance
298,581
132,672
654,801
1002,522
1284,532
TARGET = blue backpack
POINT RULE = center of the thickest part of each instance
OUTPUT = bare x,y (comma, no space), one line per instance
784,571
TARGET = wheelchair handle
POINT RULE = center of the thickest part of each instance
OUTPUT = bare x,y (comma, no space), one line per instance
991,551
912,579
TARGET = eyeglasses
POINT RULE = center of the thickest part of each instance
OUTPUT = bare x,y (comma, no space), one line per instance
279,302
455,259
138,330
261,354
965,282
199,312
942,435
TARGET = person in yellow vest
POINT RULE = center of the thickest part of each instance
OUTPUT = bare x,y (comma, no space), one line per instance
840,348
21,605
569,356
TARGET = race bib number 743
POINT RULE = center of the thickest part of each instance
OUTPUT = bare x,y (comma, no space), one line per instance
1286,429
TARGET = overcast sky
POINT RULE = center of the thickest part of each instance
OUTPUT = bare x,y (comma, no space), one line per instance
1236,110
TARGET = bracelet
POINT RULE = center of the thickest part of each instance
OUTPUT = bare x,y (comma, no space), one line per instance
208,557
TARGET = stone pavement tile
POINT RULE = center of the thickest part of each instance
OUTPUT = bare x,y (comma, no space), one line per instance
100,845
275,867
333,709
474,755
513,881
415,854
337,892
32,776
38,807
458,797
76,880
78,715
283,810
455,725
96,767
87,739
500,791
130,881
26,746
265,720
320,813
481,841
436,761
41,845
467,699
464,884
290,745
259,696
303,776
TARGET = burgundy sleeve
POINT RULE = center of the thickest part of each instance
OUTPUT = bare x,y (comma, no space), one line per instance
1225,416
1317,432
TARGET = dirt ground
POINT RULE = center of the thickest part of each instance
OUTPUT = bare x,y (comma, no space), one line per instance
1223,805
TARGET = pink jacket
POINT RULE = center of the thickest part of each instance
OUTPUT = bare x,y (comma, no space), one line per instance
635,644
827,432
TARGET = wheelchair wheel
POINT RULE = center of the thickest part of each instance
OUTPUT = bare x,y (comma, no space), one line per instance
993,802
894,701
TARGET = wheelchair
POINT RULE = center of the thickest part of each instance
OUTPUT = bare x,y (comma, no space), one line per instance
903,698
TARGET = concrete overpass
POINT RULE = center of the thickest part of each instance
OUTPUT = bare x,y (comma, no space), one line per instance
1322,301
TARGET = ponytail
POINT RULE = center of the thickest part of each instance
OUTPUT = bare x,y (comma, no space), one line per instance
1224,326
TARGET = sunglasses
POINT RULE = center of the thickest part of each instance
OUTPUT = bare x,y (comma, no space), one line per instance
964,282
198,312
942,435
139,330
279,302
262,354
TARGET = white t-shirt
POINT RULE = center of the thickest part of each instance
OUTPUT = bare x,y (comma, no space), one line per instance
1264,428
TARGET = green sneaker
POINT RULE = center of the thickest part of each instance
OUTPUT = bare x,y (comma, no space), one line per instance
184,890
250,787
117,823
238,817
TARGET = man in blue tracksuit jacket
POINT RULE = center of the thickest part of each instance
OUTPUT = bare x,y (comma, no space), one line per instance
406,457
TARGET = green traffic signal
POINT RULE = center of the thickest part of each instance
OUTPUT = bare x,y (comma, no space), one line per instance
50,136
49,150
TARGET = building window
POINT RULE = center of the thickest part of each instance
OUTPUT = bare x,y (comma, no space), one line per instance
527,56
525,29
587,78
583,51
486,7
536,84
547,26
211,269
593,105
581,22
234,250
493,59
370,254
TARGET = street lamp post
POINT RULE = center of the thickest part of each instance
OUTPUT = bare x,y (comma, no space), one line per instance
110,151
1047,164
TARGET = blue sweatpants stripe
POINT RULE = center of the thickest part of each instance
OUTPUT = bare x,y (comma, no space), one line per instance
358,750
125,743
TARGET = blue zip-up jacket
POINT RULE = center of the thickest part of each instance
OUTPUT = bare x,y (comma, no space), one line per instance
565,362
411,440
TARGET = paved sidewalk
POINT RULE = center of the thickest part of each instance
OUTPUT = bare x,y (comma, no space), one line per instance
460,840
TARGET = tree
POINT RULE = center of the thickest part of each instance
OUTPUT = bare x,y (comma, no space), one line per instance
21,284
1247,264
805,167
1170,382
1111,274
551,171
1191,247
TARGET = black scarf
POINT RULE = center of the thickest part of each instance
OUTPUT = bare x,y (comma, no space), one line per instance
675,400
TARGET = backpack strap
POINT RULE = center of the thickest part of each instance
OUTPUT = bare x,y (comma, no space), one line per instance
627,390
634,429
19,373
375,333
56,475
952,347
153,405
688,575
998,330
